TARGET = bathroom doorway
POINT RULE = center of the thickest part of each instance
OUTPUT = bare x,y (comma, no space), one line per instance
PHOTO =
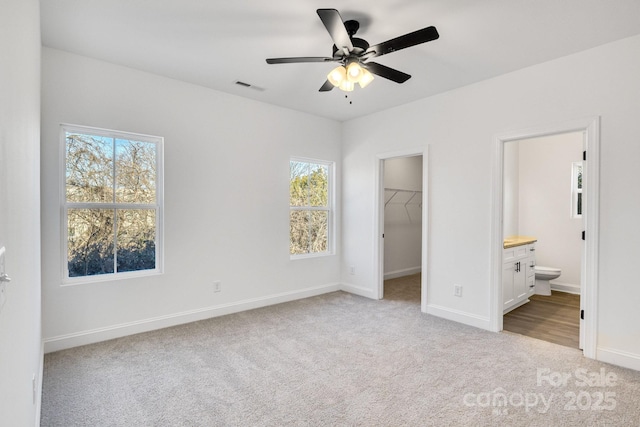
504,221
542,203
400,242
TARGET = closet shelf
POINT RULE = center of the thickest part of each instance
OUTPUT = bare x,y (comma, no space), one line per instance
396,191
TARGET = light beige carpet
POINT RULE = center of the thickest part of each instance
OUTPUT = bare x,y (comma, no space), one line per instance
334,360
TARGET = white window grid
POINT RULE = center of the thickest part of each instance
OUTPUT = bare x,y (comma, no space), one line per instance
329,208
157,206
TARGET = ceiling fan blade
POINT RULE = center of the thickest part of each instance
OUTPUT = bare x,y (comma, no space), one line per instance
335,26
300,59
327,86
386,72
411,39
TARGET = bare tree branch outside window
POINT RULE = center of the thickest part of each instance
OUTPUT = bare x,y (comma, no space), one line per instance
111,204
309,207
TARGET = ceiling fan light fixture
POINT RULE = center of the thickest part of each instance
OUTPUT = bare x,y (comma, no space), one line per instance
366,78
353,53
354,71
346,85
337,76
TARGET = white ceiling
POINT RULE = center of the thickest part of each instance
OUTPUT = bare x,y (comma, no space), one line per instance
214,43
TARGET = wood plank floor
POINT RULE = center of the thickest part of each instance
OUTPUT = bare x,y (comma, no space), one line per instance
554,318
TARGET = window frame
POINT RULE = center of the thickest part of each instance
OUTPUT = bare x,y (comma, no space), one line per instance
158,206
575,191
330,208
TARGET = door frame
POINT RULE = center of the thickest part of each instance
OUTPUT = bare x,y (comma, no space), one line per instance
590,126
378,242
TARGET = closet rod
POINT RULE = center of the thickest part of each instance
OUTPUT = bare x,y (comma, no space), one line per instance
400,190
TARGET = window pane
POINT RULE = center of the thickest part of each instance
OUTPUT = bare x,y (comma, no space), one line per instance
318,185
90,244
89,164
299,232
298,183
579,177
135,171
136,239
579,207
319,228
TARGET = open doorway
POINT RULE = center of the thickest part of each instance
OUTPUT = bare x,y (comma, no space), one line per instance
402,218
402,260
589,129
542,225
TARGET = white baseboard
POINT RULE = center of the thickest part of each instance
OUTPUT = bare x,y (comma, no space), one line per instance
513,307
359,290
401,273
116,331
569,288
618,358
38,390
481,322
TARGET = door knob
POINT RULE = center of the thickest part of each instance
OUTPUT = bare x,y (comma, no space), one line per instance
4,277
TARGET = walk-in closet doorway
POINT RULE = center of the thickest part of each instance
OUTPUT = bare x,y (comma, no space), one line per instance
402,217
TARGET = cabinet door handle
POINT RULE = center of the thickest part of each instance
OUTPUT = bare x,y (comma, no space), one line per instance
517,267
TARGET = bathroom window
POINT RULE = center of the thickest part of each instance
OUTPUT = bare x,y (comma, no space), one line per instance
111,204
576,190
310,207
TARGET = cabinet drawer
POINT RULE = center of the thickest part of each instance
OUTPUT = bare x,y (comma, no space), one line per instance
531,249
515,253
531,284
531,265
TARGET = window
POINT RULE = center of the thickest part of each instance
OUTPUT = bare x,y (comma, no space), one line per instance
576,190
112,204
310,212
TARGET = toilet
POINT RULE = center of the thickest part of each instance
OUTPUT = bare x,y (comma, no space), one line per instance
543,276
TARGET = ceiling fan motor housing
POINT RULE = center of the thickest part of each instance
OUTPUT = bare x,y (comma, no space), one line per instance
359,47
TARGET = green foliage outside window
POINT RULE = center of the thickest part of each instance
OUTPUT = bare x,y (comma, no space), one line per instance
309,207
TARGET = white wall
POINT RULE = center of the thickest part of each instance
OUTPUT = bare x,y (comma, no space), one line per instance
511,190
545,202
460,128
402,217
20,332
226,200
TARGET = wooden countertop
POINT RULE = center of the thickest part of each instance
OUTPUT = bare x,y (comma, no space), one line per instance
513,241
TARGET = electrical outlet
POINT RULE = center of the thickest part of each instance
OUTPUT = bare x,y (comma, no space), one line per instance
217,286
457,290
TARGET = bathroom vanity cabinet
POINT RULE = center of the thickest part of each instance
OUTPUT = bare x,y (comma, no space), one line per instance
518,274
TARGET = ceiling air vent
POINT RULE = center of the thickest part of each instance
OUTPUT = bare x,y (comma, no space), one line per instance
248,85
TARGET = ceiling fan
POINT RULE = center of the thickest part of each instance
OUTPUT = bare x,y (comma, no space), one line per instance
354,54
